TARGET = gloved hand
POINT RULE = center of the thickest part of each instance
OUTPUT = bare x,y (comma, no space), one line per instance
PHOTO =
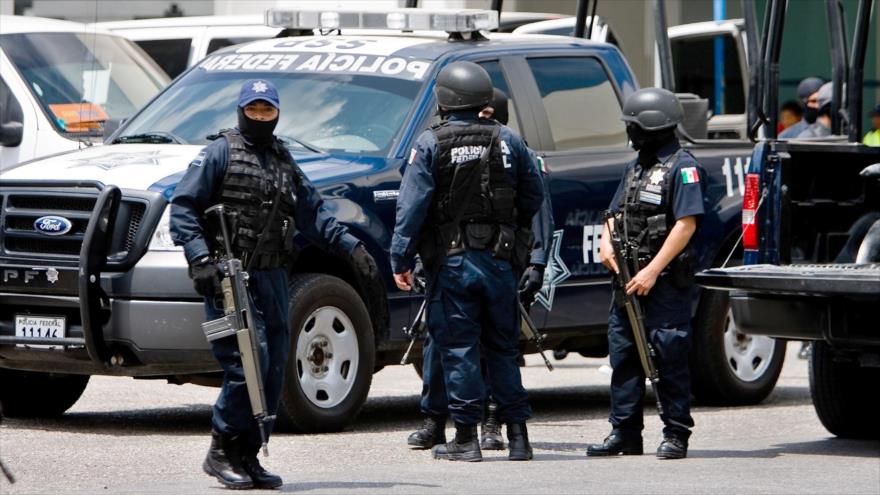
205,277
364,263
531,282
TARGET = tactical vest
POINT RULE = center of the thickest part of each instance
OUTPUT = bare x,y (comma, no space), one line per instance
248,193
647,203
485,212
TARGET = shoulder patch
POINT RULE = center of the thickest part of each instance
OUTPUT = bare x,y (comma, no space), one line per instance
690,175
412,156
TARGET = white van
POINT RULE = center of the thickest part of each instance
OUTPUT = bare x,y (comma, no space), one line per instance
60,82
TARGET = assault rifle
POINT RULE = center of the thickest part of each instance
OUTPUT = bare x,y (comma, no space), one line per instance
530,331
417,329
626,256
238,320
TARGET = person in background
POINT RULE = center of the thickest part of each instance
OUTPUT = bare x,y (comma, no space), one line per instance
806,93
790,114
822,126
873,138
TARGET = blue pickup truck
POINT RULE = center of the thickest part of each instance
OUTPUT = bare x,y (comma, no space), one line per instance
91,283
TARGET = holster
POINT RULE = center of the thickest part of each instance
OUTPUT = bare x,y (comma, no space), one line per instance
683,268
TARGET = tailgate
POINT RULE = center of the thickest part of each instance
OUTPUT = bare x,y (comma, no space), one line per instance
813,280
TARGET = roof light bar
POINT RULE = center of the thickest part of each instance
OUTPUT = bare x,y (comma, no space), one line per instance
451,21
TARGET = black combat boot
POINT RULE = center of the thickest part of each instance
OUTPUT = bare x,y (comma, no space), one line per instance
672,448
432,432
491,438
464,447
618,442
224,462
518,437
261,477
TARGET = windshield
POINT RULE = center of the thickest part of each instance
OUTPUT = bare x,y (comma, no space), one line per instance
348,113
83,79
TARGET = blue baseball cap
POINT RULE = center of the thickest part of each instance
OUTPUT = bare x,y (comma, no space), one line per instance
258,89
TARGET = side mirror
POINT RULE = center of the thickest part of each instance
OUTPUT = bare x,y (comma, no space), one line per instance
696,112
11,134
111,126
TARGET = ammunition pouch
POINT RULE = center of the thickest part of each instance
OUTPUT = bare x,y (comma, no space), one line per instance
683,269
657,229
479,235
505,242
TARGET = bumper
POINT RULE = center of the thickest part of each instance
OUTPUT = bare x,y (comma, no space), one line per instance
837,320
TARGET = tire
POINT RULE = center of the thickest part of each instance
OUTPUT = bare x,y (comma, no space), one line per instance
29,394
729,368
332,355
840,392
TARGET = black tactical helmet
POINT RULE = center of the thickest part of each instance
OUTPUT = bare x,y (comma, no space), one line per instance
653,109
463,85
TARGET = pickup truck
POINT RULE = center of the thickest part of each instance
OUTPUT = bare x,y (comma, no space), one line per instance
91,283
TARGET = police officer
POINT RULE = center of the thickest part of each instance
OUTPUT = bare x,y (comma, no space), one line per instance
252,174
806,92
821,127
661,201
462,212
433,400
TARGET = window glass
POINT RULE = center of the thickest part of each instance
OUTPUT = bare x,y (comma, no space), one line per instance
83,79
580,102
694,62
345,113
10,110
171,55
218,43
497,75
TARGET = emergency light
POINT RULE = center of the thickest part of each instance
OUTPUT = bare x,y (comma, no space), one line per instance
451,21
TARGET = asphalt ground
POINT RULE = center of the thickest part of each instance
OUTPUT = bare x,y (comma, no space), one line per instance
144,437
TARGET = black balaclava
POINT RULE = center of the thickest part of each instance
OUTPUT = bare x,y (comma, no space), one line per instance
258,133
648,141
811,114
499,106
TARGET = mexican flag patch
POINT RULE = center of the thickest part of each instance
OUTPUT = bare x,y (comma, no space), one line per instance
689,175
541,167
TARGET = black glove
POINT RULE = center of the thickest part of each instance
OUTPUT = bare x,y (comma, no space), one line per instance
420,277
364,263
205,277
531,282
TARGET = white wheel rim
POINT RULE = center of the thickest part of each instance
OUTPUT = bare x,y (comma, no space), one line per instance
748,356
327,357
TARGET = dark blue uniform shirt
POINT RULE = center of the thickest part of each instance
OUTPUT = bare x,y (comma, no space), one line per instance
667,305
417,187
200,188
542,224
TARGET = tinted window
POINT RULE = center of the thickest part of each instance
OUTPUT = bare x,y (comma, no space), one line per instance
218,43
580,102
171,55
694,62
497,75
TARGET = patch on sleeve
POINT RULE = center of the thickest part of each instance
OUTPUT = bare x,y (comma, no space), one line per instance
197,162
541,166
689,175
412,156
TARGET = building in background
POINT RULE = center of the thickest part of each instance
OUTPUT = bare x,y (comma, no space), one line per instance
805,49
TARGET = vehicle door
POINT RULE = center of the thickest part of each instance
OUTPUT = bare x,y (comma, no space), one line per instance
576,108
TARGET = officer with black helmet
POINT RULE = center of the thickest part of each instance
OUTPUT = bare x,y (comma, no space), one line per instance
252,174
465,205
660,202
433,399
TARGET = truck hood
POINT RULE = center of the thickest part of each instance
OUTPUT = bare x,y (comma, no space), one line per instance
160,166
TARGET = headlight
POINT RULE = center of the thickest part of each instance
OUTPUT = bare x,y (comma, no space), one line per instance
161,240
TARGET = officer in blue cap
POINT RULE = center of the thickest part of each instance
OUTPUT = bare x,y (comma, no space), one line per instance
469,189
250,172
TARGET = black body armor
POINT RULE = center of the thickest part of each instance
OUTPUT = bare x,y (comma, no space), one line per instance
250,193
489,217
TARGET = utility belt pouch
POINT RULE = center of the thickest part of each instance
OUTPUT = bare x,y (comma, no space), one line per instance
451,238
479,235
683,268
524,241
505,242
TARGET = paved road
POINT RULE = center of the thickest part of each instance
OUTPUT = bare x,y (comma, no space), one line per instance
140,437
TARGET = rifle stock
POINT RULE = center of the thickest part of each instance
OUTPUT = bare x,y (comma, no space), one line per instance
626,257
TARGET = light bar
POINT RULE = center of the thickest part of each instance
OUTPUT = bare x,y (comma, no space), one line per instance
451,21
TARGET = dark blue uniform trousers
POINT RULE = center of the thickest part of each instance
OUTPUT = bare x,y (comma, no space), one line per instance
232,411
474,307
628,378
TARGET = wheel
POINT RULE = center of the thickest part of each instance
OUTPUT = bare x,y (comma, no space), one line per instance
332,355
29,394
729,368
840,390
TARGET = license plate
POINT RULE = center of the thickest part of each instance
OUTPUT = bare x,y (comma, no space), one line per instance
40,327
